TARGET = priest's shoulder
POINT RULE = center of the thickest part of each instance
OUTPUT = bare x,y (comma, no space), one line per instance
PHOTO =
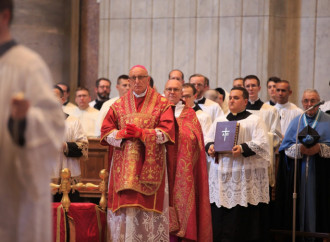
118,101
325,116
72,120
24,57
254,118
163,101
266,106
222,118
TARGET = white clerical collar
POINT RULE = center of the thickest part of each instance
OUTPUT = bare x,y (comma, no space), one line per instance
280,106
178,109
253,102
142,94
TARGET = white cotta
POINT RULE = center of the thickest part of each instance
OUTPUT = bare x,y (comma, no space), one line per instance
271,117
241,180
205,121
25,171
88,119
212,108
287,113
73,133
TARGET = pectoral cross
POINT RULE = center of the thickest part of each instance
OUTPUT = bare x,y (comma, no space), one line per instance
225,133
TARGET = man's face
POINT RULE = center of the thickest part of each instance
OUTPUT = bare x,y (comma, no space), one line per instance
65,91
4,20
220,98
188,96
176,75
103,90
173,91
238,83
271,89
82,99
139,80
199,83
123,86
282,92
58,95
309,99
251,85
236,102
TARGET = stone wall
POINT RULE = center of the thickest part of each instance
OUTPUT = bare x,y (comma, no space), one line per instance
221,39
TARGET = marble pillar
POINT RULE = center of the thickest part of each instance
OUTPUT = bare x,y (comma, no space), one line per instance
89,45
221,39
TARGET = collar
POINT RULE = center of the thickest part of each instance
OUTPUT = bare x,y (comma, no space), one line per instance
142,94
6,46
178,109
196,107
200,101
281,106
256,105
238,116
271,103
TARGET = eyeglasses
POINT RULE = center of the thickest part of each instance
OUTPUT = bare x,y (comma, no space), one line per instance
312,101
133,78
172,89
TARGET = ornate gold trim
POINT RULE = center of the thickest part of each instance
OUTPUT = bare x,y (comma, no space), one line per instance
104,136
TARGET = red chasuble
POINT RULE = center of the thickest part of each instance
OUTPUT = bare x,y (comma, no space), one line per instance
190,210
138,167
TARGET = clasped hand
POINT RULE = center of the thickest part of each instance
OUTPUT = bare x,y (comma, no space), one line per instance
310,151
131,131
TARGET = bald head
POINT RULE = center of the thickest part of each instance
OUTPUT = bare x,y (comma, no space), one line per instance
213,95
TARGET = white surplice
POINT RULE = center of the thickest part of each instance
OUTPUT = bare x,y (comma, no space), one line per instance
241,180
103,112
88,119
287,112
270,116
212,108
25,203
73,133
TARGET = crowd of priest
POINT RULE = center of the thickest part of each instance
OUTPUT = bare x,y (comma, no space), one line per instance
186,163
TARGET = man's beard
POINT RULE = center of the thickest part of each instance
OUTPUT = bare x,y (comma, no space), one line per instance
102,96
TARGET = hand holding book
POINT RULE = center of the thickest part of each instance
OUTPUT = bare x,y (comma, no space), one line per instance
236,151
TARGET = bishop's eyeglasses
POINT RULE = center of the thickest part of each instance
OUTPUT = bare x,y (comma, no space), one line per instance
133,78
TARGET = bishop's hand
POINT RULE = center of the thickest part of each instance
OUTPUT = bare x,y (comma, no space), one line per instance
135,131
310,151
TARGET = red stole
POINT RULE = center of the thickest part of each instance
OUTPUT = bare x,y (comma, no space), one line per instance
190,211
137,173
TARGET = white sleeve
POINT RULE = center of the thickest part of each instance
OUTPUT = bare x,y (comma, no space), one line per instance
291,151
111,139
325,150
260,141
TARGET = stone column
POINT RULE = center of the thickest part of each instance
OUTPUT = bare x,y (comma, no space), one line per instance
89,44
